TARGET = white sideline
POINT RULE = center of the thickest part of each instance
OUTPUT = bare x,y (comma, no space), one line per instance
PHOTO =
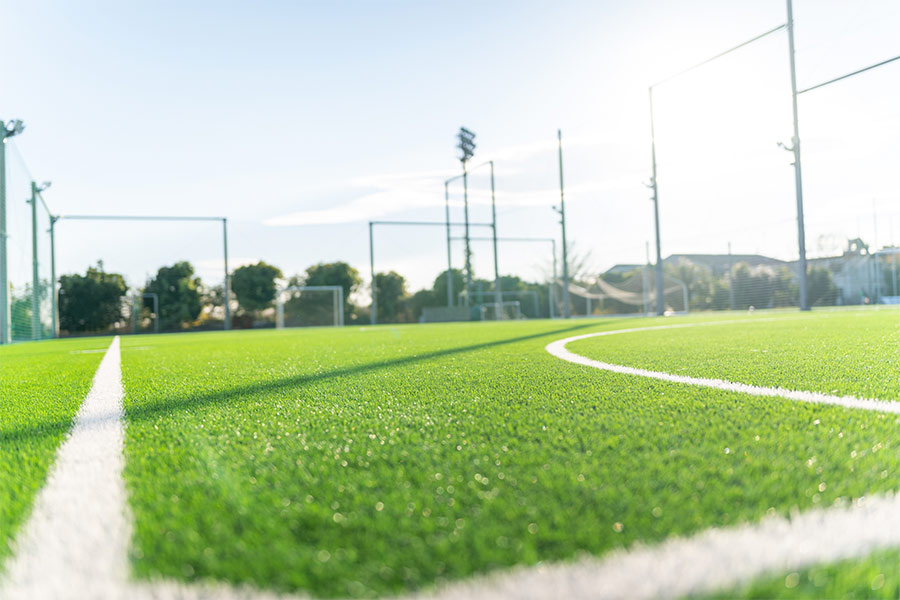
558,349
75,543
708,561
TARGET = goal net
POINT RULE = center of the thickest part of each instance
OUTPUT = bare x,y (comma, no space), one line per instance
492,311
310,306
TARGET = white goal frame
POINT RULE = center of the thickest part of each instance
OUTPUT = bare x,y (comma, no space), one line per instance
337,301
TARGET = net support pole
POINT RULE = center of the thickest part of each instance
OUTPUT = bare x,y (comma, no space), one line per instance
54,308
660,296
730,280
562,220
227,284
498,295
4,278
449,255
35,277
340,311
373,307
798,176
553,285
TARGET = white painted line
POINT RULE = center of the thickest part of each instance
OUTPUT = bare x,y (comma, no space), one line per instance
75,544
558,349
711,560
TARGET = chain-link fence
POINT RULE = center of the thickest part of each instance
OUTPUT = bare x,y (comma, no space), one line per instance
29,254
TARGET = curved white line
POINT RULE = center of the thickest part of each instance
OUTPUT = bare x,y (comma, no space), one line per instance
558,349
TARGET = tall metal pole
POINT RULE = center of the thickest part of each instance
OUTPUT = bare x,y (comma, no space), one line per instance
645,292
553,286
660,290
54,308
35,278
498,295
373,310
798,177
227,275
465,179
730,281
5,329
449,255
562,220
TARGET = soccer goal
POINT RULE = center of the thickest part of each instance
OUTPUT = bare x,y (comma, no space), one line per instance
509,309
309,306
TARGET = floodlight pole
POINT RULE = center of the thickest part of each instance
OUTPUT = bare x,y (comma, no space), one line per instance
660,295
798,177
562,220
467,237
465,178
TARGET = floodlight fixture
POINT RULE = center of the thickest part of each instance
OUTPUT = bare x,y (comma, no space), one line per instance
14,127
466,144
44,186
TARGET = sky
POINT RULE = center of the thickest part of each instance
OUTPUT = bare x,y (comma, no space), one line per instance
302,121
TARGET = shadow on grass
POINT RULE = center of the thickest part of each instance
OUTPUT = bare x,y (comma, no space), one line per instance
165,405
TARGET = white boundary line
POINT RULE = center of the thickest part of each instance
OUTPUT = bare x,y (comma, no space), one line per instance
75,544
558,349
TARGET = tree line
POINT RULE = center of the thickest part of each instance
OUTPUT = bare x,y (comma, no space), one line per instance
98,300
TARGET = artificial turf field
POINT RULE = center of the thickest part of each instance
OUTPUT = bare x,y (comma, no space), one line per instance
377,460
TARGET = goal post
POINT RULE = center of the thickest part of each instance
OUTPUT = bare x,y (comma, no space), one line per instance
508,309
285,295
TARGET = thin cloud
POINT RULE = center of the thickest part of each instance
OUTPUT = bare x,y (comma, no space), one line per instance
398,192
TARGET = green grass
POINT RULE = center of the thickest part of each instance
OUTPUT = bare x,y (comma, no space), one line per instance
837,352
375,460
877,576
41,387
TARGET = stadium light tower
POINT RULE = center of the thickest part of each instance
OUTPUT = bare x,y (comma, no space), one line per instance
466,148
8,129
497,293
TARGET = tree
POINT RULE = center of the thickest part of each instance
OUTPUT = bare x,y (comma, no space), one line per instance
92,302
179,295
418,301
392,297
254,285
440,286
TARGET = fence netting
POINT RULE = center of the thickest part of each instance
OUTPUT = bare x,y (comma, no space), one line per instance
29,254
